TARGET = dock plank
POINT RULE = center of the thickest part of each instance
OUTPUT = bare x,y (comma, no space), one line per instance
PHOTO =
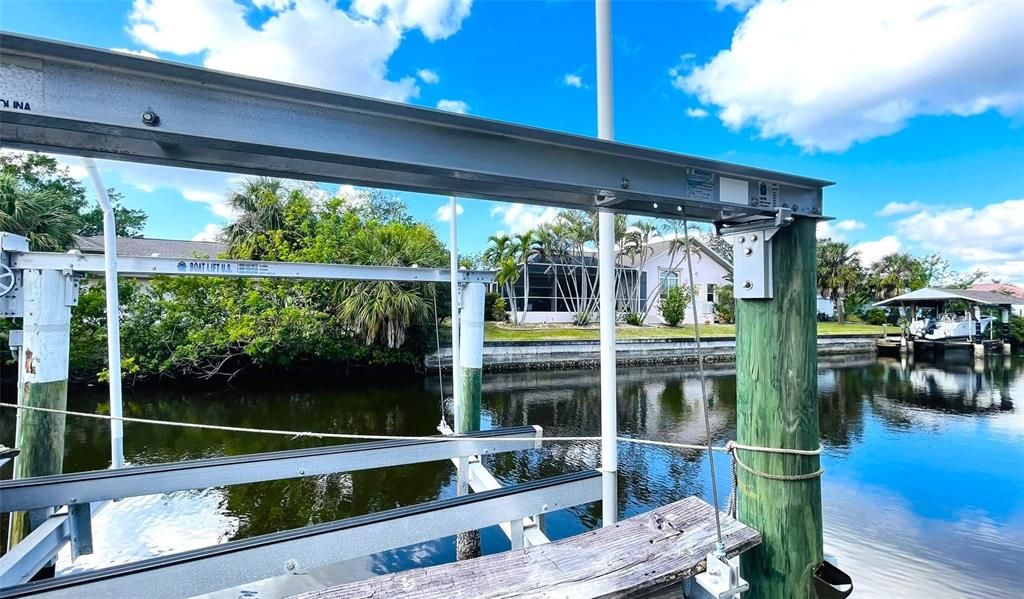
638,555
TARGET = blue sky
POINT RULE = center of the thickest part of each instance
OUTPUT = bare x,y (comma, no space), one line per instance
914,108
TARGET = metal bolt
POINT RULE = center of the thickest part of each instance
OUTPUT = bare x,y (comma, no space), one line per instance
301,472
748,251
753,238
655,205
748,285
544,508
742,239
290,565
624,183
679,208
150,119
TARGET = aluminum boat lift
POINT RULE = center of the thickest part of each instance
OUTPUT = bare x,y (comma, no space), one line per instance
70,99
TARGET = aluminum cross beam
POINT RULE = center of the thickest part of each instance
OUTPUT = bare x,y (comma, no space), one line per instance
65,98
99,485
297,551
136,266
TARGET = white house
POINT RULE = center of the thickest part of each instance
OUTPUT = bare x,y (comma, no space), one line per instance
557,292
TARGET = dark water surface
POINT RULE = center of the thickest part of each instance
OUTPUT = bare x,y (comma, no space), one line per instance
923,491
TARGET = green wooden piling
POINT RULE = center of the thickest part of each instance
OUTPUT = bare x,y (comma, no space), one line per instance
467,410
777,406
43,380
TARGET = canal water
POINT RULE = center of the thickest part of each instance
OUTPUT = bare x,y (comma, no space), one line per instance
923,487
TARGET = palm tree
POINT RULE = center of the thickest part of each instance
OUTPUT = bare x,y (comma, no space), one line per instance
500,255
383,311
39,214
839,271
260,206
895,274
524,247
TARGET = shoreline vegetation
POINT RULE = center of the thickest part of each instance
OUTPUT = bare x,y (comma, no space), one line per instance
195,330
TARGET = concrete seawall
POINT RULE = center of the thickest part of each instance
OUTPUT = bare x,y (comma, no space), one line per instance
553,355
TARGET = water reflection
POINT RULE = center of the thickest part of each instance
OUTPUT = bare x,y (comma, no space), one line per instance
923,492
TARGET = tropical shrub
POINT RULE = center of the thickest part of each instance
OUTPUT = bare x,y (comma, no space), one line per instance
876,316
673,305
634,319
725,305
499,309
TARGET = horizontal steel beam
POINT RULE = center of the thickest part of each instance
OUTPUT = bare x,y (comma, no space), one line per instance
99,485
296,551
526,531
137,266
72,99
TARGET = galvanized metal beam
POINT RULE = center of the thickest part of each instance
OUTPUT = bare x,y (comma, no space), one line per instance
296,551
134,266
73,99
99,485
38,549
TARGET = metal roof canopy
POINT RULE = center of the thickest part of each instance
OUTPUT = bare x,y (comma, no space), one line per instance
935,295
65,98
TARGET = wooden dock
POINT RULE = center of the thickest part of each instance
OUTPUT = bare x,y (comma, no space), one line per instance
640,555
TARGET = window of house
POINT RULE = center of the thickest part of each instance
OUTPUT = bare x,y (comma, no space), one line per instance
669,280
711,293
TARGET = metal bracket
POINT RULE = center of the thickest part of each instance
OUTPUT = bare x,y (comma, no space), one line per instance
752,253
72,285
720,580
10,279
80,518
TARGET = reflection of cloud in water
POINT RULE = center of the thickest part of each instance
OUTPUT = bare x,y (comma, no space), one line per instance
890,551
141,527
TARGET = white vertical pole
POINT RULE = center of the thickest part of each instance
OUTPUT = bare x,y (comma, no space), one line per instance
453,243
606,276
113,315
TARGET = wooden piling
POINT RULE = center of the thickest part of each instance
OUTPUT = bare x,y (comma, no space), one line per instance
777,405
44,380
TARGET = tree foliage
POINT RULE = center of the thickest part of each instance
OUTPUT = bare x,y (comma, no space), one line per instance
838,273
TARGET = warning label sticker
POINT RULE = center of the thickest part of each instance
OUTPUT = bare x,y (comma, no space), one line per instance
700,184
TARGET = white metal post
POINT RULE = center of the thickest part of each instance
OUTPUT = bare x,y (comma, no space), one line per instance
453,243
113,315
606,276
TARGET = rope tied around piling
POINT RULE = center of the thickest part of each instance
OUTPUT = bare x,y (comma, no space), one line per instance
733,448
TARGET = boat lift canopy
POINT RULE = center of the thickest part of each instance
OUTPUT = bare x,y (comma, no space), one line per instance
934,296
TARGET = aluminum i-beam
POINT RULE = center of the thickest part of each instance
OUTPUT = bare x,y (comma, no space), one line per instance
135,266
297,551
71,99
99,485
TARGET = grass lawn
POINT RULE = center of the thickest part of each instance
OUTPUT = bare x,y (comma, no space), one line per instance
504,332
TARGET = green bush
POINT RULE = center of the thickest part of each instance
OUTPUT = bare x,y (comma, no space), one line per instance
1016,331
499,310
489,299
673,305
634,319
725,306
876,316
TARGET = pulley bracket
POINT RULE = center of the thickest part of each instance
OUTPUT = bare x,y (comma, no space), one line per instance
752,253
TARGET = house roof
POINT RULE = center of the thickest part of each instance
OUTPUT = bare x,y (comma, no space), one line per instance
1001,288
662,245
142,246
936,295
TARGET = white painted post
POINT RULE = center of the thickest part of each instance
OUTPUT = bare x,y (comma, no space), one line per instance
113,315
1005,314
471,361
606,276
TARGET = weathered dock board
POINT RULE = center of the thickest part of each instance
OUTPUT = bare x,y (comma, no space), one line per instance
639,555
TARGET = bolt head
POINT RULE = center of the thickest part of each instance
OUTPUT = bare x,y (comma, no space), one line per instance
753,238
624,183
150,119
748,251
748,285
743,239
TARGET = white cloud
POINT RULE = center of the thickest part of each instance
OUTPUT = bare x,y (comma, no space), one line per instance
872,251
893,208
519,218
444,211
835,230
215,201
145,53
437,19
830,74
992,234
453,106
211,232
572,80
696,113
428,76
310,42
